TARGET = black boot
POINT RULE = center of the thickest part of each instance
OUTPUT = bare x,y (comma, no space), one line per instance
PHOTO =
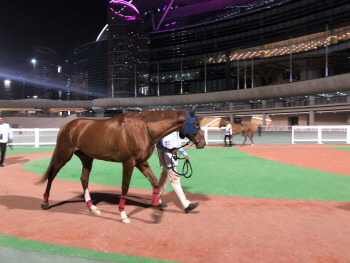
191,207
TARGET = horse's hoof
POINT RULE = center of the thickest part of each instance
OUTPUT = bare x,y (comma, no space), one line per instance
126,220
156,218
44,207
96,212
252,144
156,214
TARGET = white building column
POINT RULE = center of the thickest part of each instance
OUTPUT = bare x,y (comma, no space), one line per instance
232,118
264,119
100,112
348,119
311,118
311,100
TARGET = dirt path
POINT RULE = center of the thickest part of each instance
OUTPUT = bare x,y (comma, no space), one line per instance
316,157
223,229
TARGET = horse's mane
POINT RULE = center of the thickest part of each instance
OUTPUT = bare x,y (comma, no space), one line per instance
152,116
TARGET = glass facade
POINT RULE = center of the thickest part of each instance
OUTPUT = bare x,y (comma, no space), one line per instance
88,69
282,42
127,52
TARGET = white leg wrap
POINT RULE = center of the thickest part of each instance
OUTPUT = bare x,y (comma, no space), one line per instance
87,195
87,198
123,215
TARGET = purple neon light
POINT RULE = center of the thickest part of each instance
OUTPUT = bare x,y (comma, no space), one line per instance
221,19
164,8
125,3
167,25
173,23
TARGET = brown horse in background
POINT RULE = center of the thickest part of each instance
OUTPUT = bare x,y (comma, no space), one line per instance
128,138
239,128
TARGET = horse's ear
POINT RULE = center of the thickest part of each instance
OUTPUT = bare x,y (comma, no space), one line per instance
193,110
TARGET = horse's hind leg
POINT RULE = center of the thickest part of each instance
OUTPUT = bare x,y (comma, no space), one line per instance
245,138
60,157
87,165
251,139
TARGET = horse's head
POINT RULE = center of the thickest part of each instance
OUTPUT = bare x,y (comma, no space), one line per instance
223,123
193,130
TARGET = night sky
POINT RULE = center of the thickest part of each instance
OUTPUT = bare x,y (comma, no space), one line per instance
61,25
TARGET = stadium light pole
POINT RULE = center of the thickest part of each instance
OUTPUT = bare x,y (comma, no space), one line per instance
7,83
326,71
34,64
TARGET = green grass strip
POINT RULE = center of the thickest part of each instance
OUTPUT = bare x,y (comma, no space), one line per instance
28,150
222,171
340,148
26,244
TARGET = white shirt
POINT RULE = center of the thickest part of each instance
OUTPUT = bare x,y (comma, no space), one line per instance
229,129
170,141
5,133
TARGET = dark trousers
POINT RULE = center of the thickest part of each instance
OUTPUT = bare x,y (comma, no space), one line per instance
3,150
228,137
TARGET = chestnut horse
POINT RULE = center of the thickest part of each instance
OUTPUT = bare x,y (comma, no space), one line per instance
128,138
239,128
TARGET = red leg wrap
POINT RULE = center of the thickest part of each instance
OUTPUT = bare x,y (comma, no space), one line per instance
122,203
89,204
155,199
46,196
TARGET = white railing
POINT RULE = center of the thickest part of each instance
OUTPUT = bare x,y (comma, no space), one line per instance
34,137
43,137
321,134
276,128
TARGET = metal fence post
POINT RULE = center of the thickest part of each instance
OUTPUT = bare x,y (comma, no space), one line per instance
293,135
348,134
36,132
206,135
319,135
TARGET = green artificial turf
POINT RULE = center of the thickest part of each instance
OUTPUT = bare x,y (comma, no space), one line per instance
21,243
340,148
222,171
28,150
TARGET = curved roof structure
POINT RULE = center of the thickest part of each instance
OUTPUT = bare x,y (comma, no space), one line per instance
324,85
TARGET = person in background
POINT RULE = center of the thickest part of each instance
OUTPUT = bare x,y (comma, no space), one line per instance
228,134
259,130
167,149
6,136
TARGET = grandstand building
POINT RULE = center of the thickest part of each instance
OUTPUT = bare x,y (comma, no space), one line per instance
284,62
227,45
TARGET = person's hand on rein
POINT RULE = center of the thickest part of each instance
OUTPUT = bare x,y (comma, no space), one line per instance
10,141
187,159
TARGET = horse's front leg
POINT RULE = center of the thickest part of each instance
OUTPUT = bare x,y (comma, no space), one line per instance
146,171
245,137
128,168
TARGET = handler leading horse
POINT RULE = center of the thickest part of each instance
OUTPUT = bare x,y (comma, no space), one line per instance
128,138
239,128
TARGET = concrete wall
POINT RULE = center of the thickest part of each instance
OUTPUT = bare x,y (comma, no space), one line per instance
279,120
331,118
35,122
324,85
205,121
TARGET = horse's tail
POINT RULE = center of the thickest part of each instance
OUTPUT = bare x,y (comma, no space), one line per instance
49,169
